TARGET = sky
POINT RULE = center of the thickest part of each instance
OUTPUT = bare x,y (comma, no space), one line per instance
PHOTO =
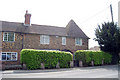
87,14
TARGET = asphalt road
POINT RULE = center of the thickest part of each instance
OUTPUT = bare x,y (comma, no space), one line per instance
84,72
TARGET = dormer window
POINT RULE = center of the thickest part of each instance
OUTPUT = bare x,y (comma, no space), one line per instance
8,36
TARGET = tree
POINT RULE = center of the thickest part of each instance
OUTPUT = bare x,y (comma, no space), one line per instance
108,37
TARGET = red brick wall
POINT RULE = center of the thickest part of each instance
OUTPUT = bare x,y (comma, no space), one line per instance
7,63
17,44
12,62
32,41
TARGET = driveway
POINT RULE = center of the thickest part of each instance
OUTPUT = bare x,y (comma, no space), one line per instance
109,71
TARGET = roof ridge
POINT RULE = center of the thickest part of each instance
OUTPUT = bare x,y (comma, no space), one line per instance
47,25
33,24
71,30
11,22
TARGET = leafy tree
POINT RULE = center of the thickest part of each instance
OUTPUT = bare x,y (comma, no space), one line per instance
108,37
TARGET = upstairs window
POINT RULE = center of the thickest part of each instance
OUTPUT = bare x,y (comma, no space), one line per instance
44,39
8,36
63,40
9,56
78,41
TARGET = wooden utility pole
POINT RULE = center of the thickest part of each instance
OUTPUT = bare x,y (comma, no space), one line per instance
119,14
111,12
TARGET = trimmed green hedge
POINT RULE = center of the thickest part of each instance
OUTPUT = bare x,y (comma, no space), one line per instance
97,56
33,58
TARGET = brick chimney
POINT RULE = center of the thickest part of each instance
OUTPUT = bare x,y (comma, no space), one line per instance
27,19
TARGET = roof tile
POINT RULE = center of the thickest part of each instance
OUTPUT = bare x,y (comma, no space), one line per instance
71,30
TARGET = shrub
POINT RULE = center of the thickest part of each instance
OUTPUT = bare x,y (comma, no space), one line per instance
96,56
33,58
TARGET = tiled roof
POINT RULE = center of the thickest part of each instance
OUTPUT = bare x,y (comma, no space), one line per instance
71,30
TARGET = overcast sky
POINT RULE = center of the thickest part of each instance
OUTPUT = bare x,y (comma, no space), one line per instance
86,13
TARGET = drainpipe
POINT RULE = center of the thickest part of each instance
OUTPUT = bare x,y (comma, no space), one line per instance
22,35
22,47
22,41
57,42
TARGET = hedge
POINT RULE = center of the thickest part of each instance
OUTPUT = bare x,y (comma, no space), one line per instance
33,58
97,56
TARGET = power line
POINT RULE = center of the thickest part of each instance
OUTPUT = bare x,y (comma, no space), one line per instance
91,17
95,15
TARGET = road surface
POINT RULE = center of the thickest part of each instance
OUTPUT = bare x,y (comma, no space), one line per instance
84,72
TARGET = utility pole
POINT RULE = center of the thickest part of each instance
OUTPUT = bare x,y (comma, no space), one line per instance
119,14
111,12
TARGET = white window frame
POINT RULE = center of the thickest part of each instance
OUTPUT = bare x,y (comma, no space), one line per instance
80,39
7,36
11,56
63,38
44,41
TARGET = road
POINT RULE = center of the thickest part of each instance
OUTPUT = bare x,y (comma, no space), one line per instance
84,72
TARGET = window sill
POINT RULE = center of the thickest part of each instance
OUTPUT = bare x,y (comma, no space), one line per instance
9,60
44,44
78,45
9,41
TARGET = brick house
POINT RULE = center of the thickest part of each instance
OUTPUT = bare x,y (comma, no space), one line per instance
17,36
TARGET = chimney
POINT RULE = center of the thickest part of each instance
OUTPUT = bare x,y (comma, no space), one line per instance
27,19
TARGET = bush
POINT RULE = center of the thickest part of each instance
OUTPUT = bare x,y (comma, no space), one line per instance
96,56
33,58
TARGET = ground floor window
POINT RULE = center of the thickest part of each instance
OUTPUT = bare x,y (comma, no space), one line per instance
9,56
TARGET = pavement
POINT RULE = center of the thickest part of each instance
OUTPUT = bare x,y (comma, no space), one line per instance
108,71
35,71
56,70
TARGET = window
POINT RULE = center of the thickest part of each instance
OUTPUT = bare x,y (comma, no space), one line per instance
78,41
63,40
8,36
44,39
9,56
